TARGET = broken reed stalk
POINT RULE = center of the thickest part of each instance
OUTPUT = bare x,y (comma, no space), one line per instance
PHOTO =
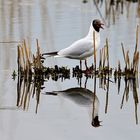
107,58
136,99
136,113
119,66
94,47
38,54
26,53
94,93
124,54
136,53
113,14
137,36
121,5
106,10
20,70
39,66
29,48
136,60
138,9
21,58
107,94
127,60
107,53
22,93
100,62
18,59
104,57
25,60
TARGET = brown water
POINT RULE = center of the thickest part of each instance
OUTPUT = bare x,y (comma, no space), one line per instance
57,24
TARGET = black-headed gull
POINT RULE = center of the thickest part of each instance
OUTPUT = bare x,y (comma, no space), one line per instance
83,48
83,97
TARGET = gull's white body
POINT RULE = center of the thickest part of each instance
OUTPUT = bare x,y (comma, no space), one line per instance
83,48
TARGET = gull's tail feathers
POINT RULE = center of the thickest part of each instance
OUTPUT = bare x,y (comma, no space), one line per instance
50,54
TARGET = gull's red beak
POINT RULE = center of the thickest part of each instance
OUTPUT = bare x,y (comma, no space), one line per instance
101,25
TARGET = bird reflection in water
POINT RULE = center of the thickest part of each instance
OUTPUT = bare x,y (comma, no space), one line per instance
82,97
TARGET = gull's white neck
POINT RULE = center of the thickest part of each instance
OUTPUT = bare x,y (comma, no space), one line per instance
90,33
90,36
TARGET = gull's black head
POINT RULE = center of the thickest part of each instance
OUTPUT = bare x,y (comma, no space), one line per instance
97,24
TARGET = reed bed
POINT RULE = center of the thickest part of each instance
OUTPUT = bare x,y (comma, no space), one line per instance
130,75
32,73
115,8
131,68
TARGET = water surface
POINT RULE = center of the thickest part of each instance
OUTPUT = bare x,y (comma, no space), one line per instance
57,24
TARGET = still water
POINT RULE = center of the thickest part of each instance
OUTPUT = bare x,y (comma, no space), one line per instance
56,24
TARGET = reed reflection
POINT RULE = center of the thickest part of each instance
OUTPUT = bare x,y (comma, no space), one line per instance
131,87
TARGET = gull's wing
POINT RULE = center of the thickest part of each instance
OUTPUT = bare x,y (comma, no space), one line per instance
77,48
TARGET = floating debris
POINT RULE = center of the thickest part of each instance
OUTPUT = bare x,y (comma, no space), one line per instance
14,75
